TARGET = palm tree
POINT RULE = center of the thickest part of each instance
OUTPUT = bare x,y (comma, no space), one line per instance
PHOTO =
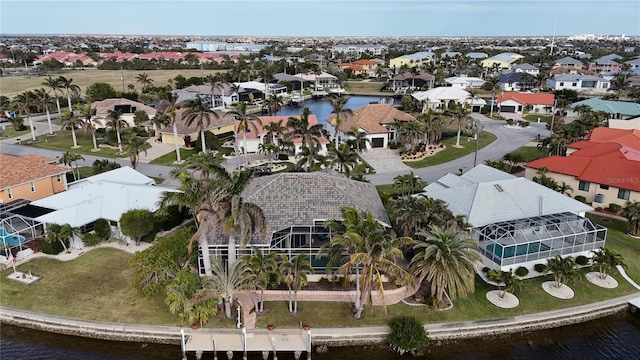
338,104
26,103
460,115
180,291
631,211
117,123
563,269
225,282
301,129
261,266
620,83
203,163
134,145
269,150
144,80
606,261
247,122
359,138
70,87
68,158
70,121
371,248
168,107
431,125
493,84
61,233
506,280
45,102
273,104
274,130
294,274
446,260
54,85
217,82
199,113
411,132
88,113
344,158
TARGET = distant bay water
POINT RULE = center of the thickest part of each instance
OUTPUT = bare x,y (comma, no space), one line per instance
616,337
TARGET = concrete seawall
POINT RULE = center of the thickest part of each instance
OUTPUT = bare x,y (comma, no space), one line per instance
439,333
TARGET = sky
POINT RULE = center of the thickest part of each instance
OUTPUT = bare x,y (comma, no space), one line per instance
322,18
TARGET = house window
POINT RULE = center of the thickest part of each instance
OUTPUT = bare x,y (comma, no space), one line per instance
58,178
33,186
9,193
604,187
561,84
624,194
583,185
574,84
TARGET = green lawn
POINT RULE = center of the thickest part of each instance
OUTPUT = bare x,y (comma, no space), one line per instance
363,87
7,131
392,189
530,153
62,141
534,118
169,158
451,153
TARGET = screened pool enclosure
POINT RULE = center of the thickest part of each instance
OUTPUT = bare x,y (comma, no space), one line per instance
538,238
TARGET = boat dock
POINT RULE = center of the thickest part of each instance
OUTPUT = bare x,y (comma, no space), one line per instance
635,305
242,341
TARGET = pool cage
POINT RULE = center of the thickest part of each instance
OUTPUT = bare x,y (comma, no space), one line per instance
16,232
538,238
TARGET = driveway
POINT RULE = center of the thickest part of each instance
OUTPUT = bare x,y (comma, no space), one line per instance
507,140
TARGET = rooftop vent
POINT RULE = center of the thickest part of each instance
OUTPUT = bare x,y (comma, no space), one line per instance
498,187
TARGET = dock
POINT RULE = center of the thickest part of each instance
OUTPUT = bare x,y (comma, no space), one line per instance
635,305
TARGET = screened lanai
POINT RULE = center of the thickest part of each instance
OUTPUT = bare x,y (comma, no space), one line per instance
538,238
16,232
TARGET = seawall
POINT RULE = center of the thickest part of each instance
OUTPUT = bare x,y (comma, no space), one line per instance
439,333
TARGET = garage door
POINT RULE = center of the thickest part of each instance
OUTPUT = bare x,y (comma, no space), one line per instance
508,109
377,142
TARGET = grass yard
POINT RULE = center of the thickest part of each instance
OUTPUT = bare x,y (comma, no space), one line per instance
7,131
168,158
451,152
363,87
61,140
530,153
534,118
392,189
85,78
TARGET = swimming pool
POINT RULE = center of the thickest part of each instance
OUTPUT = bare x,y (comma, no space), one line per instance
11,240
519,250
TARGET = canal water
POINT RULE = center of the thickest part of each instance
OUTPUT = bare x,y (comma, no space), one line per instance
321,107
616,337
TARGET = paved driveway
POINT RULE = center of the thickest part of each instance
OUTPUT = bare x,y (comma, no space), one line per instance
384,160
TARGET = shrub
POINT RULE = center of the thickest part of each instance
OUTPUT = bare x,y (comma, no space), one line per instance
91,239
522,271
541,268
485,269
51,248
524,123
169,217
581,198
599,208
283,157
582,260
407,335
615,208
509,121
102,229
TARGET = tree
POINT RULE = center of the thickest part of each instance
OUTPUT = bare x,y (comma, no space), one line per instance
506,281
344,158
45,102
338,107
205,164
70,121
563,269
446,260
493,84
225,282
359,138
294,274
136,223
432,125
117,123
87,113
274,131
139,117
180,291
198,113
100,91
273,104
261,266
61,233
459,115
620,83
55,86
134,145
247,122
606,261
144,80
168,108
407,335
68,158
371,249
26,103
631,211
70,87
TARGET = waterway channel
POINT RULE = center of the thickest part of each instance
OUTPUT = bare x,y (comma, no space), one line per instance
616,337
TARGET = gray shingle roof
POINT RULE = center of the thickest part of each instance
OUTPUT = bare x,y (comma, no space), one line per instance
289,199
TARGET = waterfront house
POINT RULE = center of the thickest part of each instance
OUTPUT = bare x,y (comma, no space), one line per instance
406,80
616,109
464,82
217,98
604,168
586,84
442,98
515,221
517,102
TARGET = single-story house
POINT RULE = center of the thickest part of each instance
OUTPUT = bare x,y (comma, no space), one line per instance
579,83
188,134
503,60
296,207
255,139
464,82
375,120
477,55
604,168
516,102
266,90
127,107
625,124
107,196
616,109
517,81
443,97
515,221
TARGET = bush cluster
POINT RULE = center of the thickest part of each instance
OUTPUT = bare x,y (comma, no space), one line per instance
522,271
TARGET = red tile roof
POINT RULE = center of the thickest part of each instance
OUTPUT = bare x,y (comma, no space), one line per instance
313,120
16,170
609,157
527,98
